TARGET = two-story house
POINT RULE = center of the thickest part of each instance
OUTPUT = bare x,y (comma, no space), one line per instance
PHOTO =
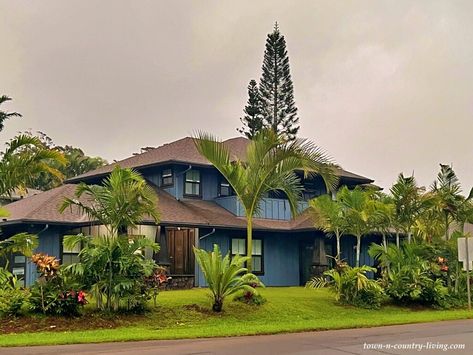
198,208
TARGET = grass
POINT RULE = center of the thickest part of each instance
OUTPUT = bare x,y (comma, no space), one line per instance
185,314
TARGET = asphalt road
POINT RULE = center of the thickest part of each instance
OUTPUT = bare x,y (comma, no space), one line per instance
393,340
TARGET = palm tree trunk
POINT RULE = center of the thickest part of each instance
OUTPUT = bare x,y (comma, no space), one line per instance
397,239
447,225
358,248
249,241
337,236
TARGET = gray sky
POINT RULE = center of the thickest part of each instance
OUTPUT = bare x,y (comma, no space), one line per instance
384,86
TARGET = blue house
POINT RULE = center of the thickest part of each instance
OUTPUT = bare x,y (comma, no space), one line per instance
198,208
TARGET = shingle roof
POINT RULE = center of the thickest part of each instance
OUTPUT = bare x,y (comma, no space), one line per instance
184,151
43,208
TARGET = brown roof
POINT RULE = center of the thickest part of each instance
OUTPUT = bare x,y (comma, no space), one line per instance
183,151
43,208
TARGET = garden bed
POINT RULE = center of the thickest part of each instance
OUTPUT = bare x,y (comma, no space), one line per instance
185,314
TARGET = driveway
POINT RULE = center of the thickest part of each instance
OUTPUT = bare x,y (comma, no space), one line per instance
424,338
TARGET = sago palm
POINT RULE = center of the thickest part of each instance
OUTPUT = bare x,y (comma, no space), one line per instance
225,276
270,164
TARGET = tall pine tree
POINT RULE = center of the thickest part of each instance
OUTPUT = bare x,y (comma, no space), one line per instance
276,89
253,120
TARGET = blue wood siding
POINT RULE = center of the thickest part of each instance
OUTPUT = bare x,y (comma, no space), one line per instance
49,243
270,208
281,256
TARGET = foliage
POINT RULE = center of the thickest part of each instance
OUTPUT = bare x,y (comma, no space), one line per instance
76,163
251,298
416,274
276,88
23,243
253,120
155,282
351,286
225,276
24,158
53,293
328,215
4,115
270,165
12,296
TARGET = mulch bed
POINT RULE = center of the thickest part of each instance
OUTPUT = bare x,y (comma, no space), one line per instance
61,324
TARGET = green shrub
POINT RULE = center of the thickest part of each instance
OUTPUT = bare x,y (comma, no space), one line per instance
12,296
351,286
251,298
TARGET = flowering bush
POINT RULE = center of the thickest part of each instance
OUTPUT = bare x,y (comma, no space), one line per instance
51,293
155,281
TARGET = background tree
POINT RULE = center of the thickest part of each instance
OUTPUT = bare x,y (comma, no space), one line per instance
23,160
270,165
76,163
276,88
253,120
4,115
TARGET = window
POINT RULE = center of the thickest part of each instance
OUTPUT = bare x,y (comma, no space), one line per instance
70,256
167,178
18,267
238,246
224,189
192,183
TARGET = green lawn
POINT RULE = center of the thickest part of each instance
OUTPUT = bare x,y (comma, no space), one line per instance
180,315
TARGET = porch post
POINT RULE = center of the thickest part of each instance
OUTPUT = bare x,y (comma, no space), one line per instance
162,257
319,258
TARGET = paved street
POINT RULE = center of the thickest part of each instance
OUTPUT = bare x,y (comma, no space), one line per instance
334,342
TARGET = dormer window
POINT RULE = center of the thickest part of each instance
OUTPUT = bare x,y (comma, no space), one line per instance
167,179
192,183
224,188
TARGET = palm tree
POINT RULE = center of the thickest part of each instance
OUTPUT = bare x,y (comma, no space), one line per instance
407,197
270,164
357,213
119,204
24,158
4,115
382,212
447,188
328,215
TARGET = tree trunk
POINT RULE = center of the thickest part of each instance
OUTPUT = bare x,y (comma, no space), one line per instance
397,239
249,242
358,248
447,225
218,304
337,236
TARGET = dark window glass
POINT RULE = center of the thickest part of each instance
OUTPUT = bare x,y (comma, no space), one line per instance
238,246
192,183
225,189
167,178
70,256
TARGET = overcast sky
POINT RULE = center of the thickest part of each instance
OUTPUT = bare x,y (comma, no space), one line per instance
383,86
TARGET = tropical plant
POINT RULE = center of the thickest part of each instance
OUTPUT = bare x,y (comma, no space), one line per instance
381,210
24,158
270,165
112,265
351,286
225,276
357,213
328,215
4,115
12,295
407,198
23,243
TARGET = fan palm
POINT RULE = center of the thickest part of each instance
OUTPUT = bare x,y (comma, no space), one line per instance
4,115
270,164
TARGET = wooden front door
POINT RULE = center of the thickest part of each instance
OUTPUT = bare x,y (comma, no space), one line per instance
181,255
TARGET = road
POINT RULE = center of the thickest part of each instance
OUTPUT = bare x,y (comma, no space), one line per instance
433,336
